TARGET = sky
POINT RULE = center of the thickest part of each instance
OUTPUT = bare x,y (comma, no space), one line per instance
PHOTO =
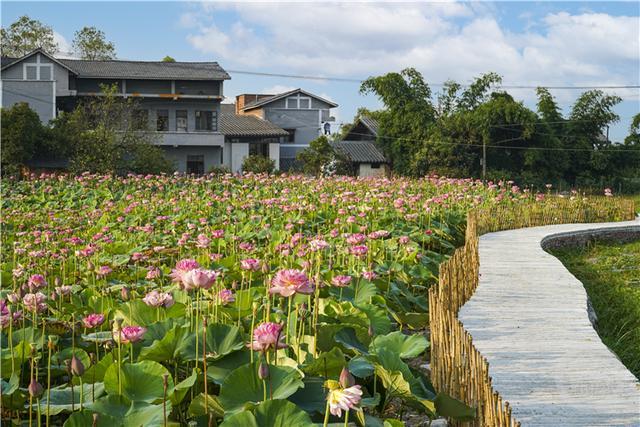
528,43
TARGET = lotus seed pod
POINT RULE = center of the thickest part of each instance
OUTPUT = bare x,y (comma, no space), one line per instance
124,293
35,389
77,368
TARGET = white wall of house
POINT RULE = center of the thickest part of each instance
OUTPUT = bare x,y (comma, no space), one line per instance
365,169
274,154
239,150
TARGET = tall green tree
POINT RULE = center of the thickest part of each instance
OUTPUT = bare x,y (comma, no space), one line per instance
25,35
91,43
408,115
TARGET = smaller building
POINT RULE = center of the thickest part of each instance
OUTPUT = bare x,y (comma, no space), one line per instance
247,135
365,128
365,157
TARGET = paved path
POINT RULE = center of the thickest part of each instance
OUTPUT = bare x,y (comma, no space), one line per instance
528,317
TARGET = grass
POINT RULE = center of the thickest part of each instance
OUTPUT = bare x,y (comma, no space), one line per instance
611,275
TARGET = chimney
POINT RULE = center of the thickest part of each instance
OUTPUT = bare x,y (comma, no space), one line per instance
240,101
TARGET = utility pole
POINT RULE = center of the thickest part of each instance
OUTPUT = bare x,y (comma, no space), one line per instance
484,158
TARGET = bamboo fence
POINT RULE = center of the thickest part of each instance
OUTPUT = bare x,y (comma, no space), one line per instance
457,367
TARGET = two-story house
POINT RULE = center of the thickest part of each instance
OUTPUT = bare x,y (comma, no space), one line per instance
302,114
181,101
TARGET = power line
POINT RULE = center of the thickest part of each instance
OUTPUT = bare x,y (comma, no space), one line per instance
505,146
357,80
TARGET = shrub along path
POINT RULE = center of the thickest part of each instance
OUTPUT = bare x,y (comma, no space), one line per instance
529,318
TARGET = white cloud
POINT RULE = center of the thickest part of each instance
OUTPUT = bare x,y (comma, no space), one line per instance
442,40
65,49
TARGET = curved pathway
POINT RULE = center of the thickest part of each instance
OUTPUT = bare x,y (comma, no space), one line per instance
529,318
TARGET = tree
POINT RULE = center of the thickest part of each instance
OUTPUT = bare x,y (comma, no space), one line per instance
168,59
90,43
319,155
25,35
21,134
408,115
107,134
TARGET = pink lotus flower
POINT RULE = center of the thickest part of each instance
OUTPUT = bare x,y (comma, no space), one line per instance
267,336
158,299
153,273
360,250
35,302
369,275
104,271
93,320
226,296
199,278
250,264
291,281
341,281
182,267
36,281
131,334
343,399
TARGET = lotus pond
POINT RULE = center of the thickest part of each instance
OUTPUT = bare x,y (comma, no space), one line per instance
225,300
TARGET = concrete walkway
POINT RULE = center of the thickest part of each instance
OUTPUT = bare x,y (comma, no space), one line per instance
529,318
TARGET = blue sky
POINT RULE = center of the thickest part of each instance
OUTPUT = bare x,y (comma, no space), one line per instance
528,43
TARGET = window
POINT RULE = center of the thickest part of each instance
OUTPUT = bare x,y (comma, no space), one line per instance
207,120
31,72
292,103
258,149
162,121
181,120
45,72
305,103
195,164
375,165
292,135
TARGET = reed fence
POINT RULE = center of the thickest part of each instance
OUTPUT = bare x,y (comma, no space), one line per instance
457,367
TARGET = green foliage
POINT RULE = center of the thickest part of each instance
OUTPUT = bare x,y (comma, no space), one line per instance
168,59
106,135
25,35
90,43
22,133
320,157
258,164
445,134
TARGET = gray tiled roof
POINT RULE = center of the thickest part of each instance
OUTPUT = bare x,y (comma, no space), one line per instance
147,69
370,123
272,98
360,151
232,124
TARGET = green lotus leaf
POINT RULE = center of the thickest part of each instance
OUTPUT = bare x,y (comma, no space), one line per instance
221,340
447,406
203,403
181,389
218,370
347,337
406,346
243,386
166,347
140,381
84,418
327,364
272,413
146,414
360,367
311,397
63,399
99,337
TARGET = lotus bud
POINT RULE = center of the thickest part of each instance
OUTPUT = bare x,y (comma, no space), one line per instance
35,389
263,371
204,322
124,293
95,420
265,268
90,266
50,344
254,307
370,331
57,282
346,379
77,368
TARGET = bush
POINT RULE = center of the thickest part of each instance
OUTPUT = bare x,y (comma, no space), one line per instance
22,132
258,164
219,170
